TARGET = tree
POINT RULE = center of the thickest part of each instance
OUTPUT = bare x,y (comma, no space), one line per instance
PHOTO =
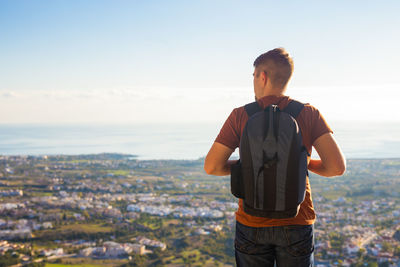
361,252
86,214
397,251
386,246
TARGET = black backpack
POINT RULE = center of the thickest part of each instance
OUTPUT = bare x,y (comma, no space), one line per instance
271,174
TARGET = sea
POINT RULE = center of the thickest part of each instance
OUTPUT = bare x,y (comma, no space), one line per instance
189,141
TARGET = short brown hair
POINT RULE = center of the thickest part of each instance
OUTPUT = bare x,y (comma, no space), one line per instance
278,66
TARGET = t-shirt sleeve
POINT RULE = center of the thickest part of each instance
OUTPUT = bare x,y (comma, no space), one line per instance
319,126
229,134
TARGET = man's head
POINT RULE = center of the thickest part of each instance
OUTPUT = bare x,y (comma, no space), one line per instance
272,72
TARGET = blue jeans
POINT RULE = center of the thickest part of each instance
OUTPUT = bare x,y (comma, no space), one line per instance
284,246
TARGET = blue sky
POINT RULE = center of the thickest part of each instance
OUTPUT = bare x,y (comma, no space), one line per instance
129,61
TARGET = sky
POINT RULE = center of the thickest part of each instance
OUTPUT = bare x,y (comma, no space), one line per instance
150,61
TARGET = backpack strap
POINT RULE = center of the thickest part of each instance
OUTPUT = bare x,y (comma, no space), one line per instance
294,108
252,108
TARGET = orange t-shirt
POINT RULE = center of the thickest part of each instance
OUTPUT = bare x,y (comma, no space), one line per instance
312,126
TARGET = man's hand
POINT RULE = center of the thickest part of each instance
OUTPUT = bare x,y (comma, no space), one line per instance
332,161
216,162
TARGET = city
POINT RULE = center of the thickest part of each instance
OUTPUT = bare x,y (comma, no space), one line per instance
116,210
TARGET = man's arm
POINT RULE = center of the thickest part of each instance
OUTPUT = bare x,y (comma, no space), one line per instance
216,162
332,161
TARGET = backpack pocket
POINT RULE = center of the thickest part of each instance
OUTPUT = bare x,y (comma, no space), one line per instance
237,188
303,174
265,191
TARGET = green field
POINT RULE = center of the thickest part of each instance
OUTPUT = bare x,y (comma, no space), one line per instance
87,262
87,228
67,265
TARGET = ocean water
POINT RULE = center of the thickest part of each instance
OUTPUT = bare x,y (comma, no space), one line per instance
175,141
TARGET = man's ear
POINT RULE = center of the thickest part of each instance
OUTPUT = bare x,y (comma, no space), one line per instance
264,77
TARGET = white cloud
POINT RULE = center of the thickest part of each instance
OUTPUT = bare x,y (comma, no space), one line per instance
7,94
162,104
357,103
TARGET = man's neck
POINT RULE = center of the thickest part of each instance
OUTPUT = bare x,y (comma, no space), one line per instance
278,92
271,94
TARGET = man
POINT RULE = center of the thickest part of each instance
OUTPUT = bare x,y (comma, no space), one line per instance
263,241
